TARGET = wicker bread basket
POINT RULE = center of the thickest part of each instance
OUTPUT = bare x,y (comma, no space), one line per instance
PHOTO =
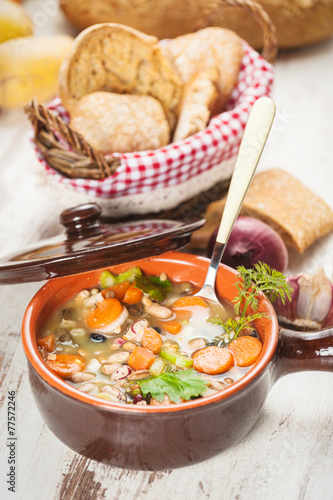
189,173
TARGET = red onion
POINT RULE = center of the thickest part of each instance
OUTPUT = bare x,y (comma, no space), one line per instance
251,241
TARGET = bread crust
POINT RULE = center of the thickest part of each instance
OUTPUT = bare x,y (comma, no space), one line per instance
120,123
114,58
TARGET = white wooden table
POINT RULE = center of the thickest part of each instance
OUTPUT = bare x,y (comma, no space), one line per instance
289,452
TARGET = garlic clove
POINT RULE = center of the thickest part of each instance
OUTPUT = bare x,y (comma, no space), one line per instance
315,296
311,306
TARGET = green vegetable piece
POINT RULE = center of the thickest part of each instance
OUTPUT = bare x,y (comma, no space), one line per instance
158,366
182,385
107,279
129,275
176,358
154,286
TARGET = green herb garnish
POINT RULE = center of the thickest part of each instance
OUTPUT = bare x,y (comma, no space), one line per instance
181,385
262,278
154,286
232,327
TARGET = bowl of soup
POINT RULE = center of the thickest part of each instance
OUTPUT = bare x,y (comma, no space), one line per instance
128,367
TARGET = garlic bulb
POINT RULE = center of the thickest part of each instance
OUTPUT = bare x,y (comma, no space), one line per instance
311,305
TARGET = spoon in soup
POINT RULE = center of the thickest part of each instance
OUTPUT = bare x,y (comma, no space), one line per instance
254,139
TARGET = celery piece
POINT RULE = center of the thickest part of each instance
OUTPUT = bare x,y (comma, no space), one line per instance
129,275
176,358
107,279
157,367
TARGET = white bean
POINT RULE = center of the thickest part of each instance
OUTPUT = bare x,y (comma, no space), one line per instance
121,373
158,311
109,369
118,357
89,388
82,377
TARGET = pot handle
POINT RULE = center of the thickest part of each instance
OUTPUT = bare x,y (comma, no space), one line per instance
298,351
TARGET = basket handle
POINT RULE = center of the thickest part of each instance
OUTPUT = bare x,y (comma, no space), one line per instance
43,118
270,45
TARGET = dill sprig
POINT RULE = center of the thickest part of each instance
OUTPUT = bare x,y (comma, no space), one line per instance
262,278
233,326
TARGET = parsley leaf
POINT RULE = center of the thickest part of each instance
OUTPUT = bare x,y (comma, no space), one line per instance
156,288
177,385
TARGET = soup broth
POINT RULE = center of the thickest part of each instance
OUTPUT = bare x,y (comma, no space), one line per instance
142,340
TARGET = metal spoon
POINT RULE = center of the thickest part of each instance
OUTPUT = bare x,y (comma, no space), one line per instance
254,139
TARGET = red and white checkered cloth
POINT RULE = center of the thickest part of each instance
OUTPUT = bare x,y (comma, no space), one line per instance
145,171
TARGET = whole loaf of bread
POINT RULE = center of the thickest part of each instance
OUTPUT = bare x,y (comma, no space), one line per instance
298,22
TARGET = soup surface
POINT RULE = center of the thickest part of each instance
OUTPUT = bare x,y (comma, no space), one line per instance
142,340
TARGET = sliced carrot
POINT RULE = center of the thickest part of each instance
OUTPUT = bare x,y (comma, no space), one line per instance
152,340
104,313
141,358
184,306
173,326
246,350
212,360
189,301
47,343
66,364
133,295
119,290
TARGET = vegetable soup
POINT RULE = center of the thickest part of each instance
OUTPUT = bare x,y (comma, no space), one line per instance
143,340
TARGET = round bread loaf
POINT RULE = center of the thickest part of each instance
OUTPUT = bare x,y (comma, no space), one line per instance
298,22
115,58
120,123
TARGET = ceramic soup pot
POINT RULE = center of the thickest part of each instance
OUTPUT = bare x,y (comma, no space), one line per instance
164,437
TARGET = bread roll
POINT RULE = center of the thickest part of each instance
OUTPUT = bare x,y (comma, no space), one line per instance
206,50
298,22
200,97
115,58
120,123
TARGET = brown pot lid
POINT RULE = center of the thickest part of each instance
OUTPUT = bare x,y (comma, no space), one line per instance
90,244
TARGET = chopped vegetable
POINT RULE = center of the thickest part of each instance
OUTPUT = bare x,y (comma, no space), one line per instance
65,364
152,340
177,359
213,360
188,301
107,279
119,290
154,286
246,350
173,326
104,313
133,295
158,366
178,386
47,343
184,306
141,358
